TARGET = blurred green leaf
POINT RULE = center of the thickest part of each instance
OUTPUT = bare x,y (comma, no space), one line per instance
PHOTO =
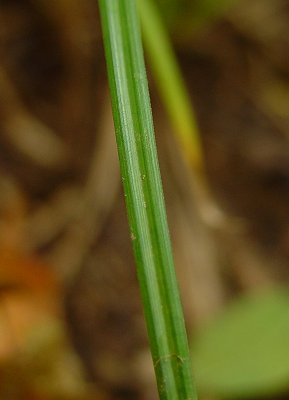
171,84
245,352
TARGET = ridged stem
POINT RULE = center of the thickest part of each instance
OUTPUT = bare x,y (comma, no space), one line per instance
144,199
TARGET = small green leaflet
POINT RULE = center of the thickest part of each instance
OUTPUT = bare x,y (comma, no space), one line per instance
245,352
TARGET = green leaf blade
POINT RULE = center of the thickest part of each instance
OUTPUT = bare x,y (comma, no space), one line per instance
171,84
245,352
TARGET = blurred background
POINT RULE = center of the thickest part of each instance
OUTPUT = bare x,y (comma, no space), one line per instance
71,323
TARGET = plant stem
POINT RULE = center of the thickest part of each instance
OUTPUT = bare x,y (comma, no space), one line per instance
144,199
170,83
176,99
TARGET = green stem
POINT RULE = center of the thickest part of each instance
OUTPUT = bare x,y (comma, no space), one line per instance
170,83
144,199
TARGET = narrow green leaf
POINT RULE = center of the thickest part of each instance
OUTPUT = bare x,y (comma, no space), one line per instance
245,352
170,82
144,199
